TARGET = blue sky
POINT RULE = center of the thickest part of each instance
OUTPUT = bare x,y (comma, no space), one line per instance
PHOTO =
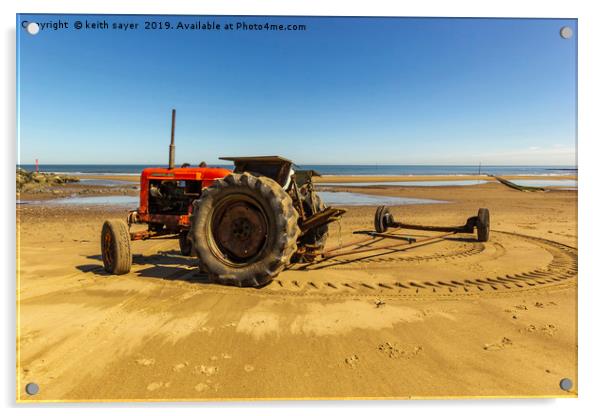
345,90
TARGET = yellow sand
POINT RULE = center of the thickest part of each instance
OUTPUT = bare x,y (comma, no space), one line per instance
162,333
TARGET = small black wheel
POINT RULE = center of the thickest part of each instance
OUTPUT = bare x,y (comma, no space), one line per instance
185,243
382,219
483,225
115,247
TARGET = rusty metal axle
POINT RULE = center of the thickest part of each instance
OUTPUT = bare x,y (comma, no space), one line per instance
383,220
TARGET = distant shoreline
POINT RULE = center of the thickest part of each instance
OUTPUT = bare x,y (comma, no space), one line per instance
372,178
335,170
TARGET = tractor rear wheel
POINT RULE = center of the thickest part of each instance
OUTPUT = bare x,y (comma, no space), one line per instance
244,230
115,247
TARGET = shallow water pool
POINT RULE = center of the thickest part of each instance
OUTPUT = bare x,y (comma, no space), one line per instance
406,183
329,198
354,198
97,200
567,183
106,182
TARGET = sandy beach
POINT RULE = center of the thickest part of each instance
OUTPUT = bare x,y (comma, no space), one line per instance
453,319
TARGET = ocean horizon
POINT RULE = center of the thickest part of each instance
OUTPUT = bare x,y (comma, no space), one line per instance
348,170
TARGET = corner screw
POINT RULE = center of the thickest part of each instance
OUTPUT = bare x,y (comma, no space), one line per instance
566,32
566,384
33,28
32,389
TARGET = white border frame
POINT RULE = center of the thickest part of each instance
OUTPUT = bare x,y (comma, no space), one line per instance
590,28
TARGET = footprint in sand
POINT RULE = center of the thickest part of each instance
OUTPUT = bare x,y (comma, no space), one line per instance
542,305
201,387
205,369
529,328
549,329
392,350
504,343
352,361
180,366
145,361
157,385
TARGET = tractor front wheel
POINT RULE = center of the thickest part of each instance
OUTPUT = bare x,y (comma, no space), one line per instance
115,247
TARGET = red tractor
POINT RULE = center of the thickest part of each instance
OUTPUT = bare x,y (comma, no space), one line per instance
245,226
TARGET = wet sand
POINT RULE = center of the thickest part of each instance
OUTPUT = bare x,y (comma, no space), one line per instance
457,318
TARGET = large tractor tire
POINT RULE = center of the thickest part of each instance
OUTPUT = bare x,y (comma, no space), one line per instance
244,230
115,247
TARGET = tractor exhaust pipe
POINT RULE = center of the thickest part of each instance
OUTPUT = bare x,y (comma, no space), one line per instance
172,145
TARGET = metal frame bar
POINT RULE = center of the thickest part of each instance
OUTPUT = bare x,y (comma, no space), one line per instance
387,235
335,253
355,243
466,228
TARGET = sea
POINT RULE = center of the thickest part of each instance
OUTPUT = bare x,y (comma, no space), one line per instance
351,170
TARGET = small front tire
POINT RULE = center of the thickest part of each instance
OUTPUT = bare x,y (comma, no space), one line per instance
115,247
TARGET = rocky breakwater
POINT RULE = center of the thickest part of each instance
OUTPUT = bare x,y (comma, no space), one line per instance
35,182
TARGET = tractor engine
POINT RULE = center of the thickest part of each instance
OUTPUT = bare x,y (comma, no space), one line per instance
172,197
